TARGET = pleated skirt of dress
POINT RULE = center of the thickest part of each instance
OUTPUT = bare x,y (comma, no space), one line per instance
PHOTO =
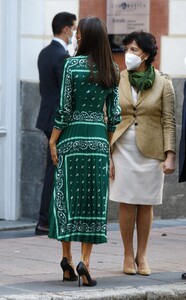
78,209
138,179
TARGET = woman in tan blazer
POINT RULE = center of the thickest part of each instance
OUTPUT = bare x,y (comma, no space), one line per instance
143,146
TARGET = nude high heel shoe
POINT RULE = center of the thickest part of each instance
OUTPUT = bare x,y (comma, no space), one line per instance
129,267
143,267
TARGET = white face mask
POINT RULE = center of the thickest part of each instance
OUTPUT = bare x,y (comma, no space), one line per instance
132,61
70,37
74,41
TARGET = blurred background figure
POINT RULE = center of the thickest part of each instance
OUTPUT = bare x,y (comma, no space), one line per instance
182,148
50,62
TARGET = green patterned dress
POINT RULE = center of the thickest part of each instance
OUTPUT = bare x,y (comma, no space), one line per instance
78,210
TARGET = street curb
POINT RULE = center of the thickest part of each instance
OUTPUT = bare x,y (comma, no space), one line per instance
163,292
16,225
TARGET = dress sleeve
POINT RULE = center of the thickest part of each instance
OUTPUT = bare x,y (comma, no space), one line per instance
113,109
64,111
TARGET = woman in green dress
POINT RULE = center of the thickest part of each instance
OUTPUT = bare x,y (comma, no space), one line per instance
80,147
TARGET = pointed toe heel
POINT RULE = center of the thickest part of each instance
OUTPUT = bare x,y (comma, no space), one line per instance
129,271
129,267
67,268
143,269
83,271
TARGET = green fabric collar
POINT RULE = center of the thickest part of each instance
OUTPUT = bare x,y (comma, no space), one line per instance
142,80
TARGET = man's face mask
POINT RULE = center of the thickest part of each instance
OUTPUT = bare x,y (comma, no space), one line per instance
75,41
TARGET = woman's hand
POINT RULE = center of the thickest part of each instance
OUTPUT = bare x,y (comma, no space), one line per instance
112,169
53,152
169,163
52,144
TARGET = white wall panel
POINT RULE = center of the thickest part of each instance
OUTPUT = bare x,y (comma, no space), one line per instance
177,11
32,16
30,49
9,110
1,42
173,52
1,123
36,32
52,7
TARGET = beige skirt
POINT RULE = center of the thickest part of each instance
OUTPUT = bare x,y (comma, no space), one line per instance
138,179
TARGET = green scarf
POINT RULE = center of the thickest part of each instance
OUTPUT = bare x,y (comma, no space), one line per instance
142,80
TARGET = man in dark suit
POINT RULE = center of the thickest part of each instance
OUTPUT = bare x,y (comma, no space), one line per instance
50,64
182,149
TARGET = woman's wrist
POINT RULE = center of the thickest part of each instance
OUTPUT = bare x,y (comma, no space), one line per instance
171,155
51,141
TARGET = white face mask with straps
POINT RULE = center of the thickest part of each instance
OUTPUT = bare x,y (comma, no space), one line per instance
70,37
132,61
75,41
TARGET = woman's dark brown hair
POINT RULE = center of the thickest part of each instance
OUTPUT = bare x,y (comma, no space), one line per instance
95,44
146,41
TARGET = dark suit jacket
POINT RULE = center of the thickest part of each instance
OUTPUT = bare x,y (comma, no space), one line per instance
50,65
182,149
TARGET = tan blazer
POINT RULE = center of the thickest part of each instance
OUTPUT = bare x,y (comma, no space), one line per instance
153,116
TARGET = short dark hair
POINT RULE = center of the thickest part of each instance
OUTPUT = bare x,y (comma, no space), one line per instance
146,41
95,44
61,20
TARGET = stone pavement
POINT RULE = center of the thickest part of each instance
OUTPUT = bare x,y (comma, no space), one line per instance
29,265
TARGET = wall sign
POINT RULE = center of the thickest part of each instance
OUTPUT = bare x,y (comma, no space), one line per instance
123,17
127,16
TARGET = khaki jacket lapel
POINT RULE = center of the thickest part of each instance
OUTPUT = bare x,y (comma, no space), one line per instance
125,87
143,95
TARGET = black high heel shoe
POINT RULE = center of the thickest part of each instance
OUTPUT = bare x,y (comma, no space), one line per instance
66,266
82,271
